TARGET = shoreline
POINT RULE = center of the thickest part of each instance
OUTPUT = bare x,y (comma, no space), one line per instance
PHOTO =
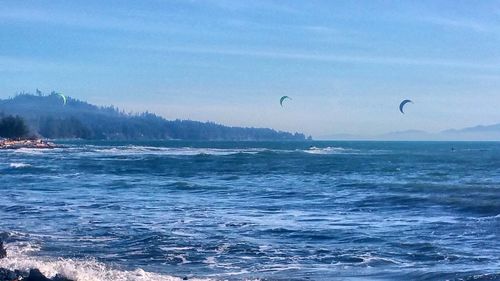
31,274
26,143
18,265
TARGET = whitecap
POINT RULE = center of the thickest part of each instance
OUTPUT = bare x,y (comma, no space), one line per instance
173,151
16,165
78,270
34,151
329,150
211,261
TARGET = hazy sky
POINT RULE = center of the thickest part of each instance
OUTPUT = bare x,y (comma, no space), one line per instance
346,64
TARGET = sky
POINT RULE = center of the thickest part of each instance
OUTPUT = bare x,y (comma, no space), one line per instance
346,64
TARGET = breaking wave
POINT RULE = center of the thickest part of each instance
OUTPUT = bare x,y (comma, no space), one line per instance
16,165
20,258
331,150
172,151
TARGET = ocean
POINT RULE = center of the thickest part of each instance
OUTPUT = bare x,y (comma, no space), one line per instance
315,210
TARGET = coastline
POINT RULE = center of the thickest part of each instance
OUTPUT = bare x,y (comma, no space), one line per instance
26,143
31,274
17,264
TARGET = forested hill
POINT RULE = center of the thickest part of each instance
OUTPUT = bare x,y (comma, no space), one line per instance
49,117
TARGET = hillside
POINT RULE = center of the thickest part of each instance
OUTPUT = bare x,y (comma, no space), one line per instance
481,132
476,133
49,117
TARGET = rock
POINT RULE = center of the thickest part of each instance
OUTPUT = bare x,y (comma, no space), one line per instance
60,278
36,275
4,274
9,275
3,252
17,275
33,275
22,274
27,143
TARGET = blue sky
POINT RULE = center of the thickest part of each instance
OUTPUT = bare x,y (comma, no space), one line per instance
346,64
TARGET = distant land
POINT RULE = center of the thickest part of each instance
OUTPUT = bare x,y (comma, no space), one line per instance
477,133
47,116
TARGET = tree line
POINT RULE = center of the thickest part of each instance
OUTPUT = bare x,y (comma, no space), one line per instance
13,127
47,116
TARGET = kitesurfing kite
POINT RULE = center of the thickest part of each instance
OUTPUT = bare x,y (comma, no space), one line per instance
283,98
63,98
402,105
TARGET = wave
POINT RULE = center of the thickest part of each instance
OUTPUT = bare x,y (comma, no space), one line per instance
191,151
194,151
19,258
171,151
373,261
330,150
35,151
17,165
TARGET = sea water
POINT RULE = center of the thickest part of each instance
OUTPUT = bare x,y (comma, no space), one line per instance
254,210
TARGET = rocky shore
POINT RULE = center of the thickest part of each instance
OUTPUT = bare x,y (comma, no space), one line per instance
25,143
24,275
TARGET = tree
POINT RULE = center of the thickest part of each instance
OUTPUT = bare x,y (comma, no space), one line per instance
13,127
48,117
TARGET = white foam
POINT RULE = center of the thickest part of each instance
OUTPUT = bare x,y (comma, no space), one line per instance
370,260
342,150
19,165
172,249
183,258
78,270
329,150
211,261
174,151
36,151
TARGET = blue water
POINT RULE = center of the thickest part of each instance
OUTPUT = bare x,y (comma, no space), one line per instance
257,210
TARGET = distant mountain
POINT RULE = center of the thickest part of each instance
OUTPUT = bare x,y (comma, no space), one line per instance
477,129
477,133
486,133
49,117
346,137
407,135
398,135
